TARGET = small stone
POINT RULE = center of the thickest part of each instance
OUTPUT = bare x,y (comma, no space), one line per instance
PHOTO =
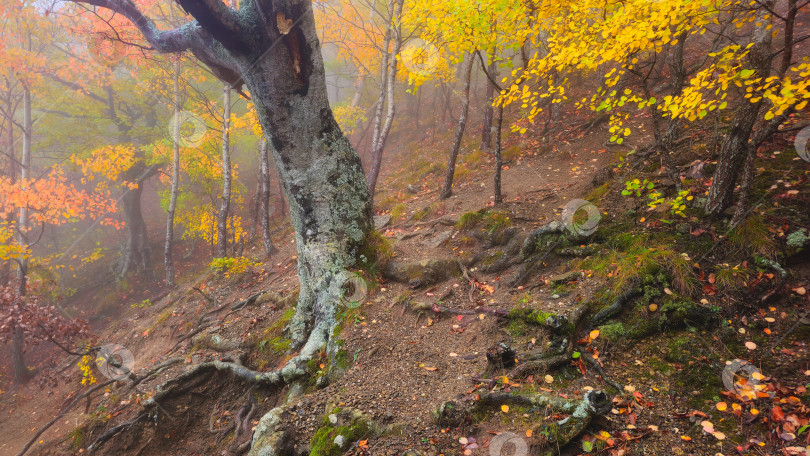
340,441
440,239
333,419
555,296
381,221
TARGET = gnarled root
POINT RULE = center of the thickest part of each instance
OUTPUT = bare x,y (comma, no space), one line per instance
549,437
618,304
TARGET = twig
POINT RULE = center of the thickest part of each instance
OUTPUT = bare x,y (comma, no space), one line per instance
61,414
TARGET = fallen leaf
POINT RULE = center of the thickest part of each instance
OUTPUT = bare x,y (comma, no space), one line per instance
801,291
505,408
722,406
549,379
594,334
750,345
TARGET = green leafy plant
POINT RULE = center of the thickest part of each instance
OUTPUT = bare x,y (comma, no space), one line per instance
232,266
142,305
637,186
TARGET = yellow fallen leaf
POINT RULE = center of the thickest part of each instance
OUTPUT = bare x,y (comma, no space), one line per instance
629,388
653,307
594,334
549,379
722,406
754,411
505,408
529,433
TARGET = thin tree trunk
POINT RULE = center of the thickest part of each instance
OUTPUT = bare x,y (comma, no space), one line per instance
498,156
5,266
21,372
358,89
447,190
390,74
734,149
489,109
264,198
225,204
418,107
167,250
282,198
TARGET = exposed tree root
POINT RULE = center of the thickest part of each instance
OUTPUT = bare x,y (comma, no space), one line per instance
618,304
549,437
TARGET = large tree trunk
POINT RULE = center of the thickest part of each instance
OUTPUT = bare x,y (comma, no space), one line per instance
167,249
264,198
225,203
736,143
389,73
137,256
272,47
447,190
321,172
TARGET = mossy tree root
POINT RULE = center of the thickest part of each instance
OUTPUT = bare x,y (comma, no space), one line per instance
618,304
563,330
548,437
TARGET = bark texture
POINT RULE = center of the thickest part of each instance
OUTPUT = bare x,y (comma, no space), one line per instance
167,249
225,203
264,198
735,146
447,189
387,85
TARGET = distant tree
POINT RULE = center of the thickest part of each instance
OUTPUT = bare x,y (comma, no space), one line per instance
22,318
46,201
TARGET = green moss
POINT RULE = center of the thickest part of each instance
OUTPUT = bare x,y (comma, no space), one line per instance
323,442
596,195
613,331
424,212
510,153
470,219
375,251
398,212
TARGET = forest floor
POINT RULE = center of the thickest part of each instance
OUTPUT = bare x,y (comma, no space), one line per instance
407,354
